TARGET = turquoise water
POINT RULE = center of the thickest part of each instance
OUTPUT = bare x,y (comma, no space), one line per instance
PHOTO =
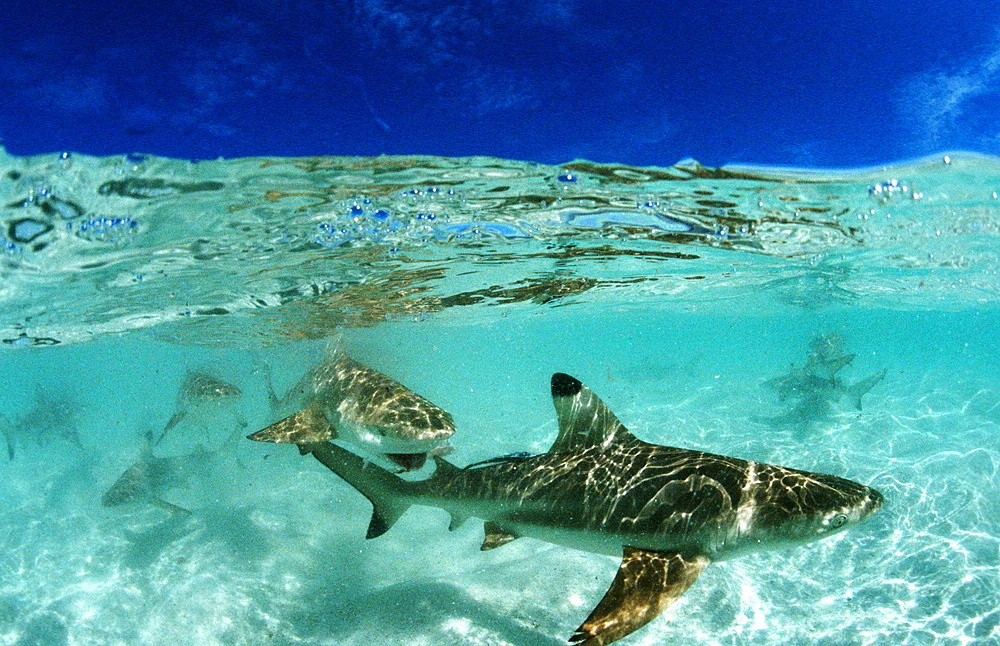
675,293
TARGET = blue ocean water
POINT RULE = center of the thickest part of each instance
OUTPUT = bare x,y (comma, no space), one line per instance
682,295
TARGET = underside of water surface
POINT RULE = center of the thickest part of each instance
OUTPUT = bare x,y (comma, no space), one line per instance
689,298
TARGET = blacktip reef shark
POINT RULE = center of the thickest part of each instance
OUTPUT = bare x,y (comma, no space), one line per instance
816,389
344,399
146,480
668,512
201,394
52,417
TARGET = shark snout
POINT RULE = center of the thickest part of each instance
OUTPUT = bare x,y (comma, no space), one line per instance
873,503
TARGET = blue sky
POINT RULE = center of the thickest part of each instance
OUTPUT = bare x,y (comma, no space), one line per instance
773,83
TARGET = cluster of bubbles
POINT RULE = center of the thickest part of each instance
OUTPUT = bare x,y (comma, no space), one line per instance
885,191
36,220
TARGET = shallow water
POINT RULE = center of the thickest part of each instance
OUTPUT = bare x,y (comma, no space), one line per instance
675,293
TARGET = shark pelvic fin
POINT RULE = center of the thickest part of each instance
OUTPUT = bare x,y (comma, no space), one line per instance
646,584
308,426
584,420
496,536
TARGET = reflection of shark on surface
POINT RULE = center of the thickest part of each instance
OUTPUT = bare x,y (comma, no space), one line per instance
202,396
145,480
816,390
343,399
667,511
52,417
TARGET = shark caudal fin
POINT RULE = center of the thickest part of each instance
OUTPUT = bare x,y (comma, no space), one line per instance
383,489
858,390
584,420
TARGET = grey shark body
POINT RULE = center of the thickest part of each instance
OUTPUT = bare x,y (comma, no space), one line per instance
343,399
53,417
202,396
150,476
668,512
815,390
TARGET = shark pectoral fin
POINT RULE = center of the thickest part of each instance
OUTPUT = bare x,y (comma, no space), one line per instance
646,584
308,426
383,489
495,536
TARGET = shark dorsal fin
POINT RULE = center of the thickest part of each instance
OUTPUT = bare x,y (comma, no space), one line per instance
584,420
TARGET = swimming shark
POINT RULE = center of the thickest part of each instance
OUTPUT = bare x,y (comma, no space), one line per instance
149,476
816,390
53,416
201,395
342,398
668,512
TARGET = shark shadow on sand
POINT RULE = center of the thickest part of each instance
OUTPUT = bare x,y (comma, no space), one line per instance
668,512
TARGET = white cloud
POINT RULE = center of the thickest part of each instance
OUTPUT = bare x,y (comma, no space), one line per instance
938,105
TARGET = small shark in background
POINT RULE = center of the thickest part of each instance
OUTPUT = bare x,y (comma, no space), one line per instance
668,512
816,390
7,430
146,479
203,396
54,416
343,399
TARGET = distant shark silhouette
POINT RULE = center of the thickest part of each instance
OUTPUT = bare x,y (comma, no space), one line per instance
146,479
816,390
202,394
343,399
52,417
668,512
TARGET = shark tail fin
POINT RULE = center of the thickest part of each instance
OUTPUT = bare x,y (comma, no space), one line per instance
386,491
858,390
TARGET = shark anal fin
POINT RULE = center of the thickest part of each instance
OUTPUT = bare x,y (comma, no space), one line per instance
308,426
496,536
646,584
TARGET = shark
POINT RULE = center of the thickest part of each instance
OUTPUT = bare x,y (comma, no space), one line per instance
344,399
53,416
667,512
201,395
149,476
816,390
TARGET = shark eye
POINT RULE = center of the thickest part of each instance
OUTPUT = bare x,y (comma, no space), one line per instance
838,521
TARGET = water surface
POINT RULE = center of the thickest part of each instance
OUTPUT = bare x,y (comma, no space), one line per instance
675,293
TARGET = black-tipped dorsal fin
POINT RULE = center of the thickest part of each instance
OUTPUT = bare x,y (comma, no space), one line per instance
584,420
